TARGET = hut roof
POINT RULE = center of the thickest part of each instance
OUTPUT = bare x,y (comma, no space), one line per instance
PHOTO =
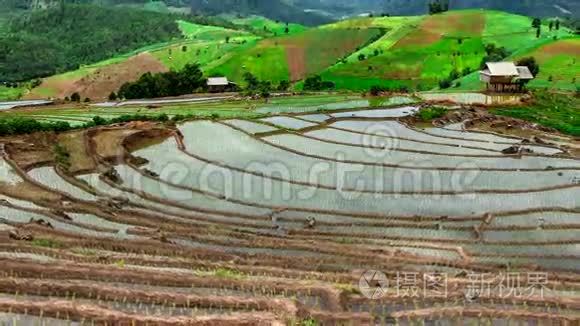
502,69
217,81
524,73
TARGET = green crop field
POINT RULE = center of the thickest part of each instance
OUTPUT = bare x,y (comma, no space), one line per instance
559,65
420,52
207,33
10,93
296,56
558,62
262,25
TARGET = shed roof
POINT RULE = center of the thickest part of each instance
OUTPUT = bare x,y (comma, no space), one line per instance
502,69
524,73
217,81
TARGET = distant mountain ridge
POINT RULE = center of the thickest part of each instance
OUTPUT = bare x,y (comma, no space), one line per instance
280,10
317,12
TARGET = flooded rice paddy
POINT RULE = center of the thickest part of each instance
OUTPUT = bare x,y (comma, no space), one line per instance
249,219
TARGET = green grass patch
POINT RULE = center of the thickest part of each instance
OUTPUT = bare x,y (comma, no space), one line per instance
431,113
295,56
199,32
10,93
551,110
262,25
46,243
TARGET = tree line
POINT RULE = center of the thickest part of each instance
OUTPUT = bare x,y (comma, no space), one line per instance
173,83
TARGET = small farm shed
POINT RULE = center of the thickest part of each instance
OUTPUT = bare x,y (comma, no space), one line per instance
505,76
219,85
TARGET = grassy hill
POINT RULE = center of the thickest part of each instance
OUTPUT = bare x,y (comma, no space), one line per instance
199,43
420,52
296,56
264,26
416,52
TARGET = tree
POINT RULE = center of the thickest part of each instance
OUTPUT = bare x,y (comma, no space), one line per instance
99,121
538,32
531,63
445,83
551,25
438,6
227,39
113,96
265,89
315,83
557,24
283,86
252,82
376,90
75,97
494,54
184,48
536,23
361,57
173,83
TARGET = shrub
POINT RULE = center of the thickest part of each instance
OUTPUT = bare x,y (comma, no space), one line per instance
315,83
75,97
284,85
531,63
99,121
377,90
61,156
430,113
444,84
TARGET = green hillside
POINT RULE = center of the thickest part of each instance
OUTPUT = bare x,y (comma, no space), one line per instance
264,26
413,52
420,53
296,56
558,62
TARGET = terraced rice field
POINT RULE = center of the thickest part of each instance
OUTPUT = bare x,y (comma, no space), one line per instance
282,220
417,52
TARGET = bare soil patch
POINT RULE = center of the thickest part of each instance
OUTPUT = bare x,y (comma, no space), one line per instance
107,79
436,27
296,58
568,47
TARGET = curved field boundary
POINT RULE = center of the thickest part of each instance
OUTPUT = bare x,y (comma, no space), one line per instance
181,147
419,152
362,235
328,125
385,164
363,215
82,312
483,312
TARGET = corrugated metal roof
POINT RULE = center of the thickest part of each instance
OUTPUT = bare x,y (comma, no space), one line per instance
502,69
524,72
217,81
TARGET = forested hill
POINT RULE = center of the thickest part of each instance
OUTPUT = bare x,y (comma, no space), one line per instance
58,39
281,10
